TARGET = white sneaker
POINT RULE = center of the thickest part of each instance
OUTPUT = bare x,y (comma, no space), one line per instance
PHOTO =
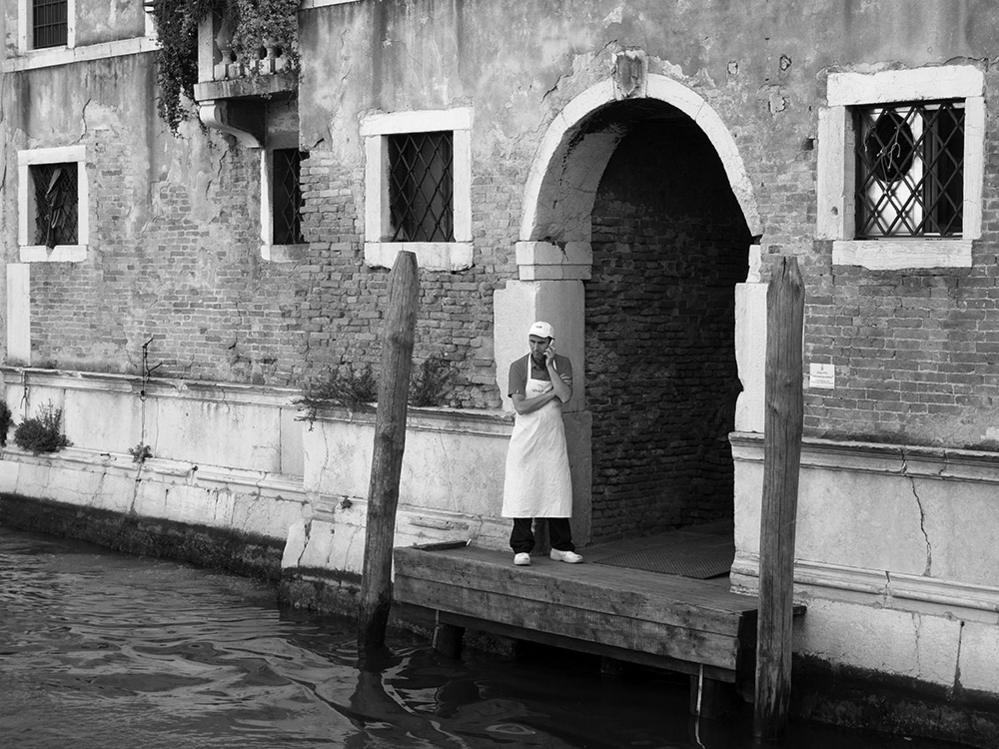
523,559
566,556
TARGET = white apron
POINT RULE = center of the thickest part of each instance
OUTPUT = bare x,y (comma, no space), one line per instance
537,483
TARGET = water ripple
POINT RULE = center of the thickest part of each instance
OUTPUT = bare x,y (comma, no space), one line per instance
104,651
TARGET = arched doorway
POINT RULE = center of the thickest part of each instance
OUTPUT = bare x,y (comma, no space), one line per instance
645,205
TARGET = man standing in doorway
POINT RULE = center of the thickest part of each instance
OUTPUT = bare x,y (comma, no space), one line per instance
537,483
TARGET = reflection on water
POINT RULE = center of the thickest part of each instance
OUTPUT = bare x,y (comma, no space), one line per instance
100,650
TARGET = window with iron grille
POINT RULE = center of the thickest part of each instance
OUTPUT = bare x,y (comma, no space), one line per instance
56,203
287,195
49,26
421,186
910,170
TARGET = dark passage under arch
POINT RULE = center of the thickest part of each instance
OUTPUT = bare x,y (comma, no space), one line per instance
669,244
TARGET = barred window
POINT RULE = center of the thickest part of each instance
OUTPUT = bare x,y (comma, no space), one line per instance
49,26
910,170
421,187
287,195
56,203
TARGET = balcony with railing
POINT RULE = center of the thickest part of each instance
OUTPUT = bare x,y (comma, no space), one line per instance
247,55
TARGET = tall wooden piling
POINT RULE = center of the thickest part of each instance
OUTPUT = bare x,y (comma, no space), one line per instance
390,441
782,457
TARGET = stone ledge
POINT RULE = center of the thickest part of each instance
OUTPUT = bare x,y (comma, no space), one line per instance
979,602
157,387
942,463
249,87
81,458
432,419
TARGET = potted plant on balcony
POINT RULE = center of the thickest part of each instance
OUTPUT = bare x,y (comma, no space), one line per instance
265,38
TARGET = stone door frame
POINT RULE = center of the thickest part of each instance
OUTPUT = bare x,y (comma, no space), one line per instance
554,255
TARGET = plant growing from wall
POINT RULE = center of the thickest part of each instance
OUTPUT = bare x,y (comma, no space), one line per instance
353,389
43,433
430,382
6,419
140,453
259,24
177,58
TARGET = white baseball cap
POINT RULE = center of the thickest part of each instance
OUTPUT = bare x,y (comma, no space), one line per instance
542,330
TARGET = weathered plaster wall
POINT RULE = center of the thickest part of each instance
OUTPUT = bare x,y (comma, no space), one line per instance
174,243
197,194
766,81
889,559
104,20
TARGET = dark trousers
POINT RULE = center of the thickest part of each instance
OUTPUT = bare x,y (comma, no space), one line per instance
559,531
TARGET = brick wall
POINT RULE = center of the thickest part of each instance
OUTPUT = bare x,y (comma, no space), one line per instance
175,262
915,351
174,256
669,243
342,312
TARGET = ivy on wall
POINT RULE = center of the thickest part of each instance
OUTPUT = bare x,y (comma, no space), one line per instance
254,25
177,59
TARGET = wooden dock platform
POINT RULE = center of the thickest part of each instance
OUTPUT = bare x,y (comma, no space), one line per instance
677,623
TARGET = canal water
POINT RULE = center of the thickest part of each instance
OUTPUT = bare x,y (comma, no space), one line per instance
104,651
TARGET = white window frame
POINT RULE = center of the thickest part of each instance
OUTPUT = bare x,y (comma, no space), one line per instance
24,29
62,253
835,218
275,253
445,256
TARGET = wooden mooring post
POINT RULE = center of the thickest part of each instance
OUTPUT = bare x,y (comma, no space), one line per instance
782,457
386,462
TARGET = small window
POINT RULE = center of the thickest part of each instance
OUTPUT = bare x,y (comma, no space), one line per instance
901,167
418,188
56,204
910,170
287,196
53,199
421,187
49,27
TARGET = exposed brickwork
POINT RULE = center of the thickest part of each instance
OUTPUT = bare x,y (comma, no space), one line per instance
175,257
187,273
174,221
669,245
915,351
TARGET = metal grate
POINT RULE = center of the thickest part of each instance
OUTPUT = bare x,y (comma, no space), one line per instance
287,195
910,170
421,187
48,23
56,202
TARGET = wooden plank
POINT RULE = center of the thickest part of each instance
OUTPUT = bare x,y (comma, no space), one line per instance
618,594
618,630
606,599
497,570
582,646
713,594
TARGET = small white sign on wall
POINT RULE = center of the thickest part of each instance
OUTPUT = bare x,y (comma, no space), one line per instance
821,376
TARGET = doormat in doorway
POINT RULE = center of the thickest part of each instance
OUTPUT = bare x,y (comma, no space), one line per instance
691,555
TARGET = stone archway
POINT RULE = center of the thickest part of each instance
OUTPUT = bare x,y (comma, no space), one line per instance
555,251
